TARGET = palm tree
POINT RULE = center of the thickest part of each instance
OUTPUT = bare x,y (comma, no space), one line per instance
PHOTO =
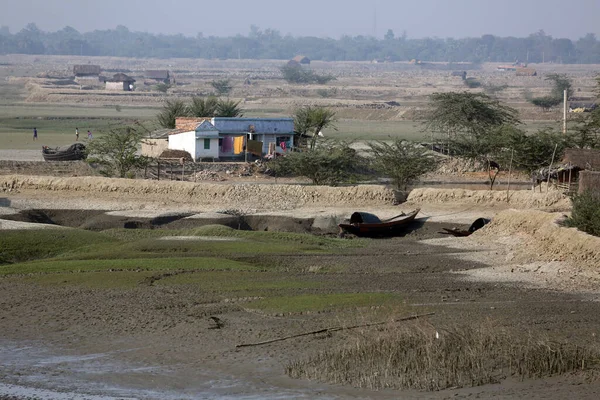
201,107
171,110
229,108
313,119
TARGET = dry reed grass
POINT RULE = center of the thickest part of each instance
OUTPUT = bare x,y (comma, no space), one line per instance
420,357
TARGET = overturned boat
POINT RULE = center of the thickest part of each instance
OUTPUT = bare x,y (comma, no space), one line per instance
74,152
366,224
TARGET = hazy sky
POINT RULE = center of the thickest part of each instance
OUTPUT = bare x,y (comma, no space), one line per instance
332,18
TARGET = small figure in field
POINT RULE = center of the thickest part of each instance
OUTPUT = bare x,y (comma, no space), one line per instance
89,135
76,134
35,137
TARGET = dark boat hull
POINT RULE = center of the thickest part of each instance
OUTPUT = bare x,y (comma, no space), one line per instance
74,152
374,229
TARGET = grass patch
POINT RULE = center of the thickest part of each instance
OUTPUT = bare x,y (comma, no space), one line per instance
26,245
324,302
411,357
210,247
128,235
144,264
93,280
228,281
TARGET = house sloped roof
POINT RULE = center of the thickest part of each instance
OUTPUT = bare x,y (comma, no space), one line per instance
120,77
157,74
86,69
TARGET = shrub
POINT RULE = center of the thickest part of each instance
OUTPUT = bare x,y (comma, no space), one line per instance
329,163
472,83
298,74
546,102
586,213
402,162
163,87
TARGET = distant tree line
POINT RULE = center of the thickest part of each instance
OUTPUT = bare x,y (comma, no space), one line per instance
270,44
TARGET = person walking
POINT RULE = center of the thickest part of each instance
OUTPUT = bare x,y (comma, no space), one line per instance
35,136
89,135
76,134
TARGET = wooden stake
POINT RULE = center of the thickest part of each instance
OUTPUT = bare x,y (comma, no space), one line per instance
512,153
333,329
550,169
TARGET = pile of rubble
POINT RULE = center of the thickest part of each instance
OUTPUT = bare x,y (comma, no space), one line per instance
208,176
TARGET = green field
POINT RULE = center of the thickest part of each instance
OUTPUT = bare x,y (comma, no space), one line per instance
246,264
56,125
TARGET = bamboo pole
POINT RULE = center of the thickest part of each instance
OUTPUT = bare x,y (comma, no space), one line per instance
550,169
332,329
512,153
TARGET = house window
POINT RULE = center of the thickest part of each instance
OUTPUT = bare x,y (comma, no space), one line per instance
206,144
280,139
220,143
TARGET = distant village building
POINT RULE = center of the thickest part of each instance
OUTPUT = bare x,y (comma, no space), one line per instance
223,138
86,70
88,75
120,82
157,76
462,74
301,60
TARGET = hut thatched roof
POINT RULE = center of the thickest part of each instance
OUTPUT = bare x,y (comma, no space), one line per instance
588,159
120,77
86,69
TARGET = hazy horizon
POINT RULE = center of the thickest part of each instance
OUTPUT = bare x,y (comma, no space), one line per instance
426,18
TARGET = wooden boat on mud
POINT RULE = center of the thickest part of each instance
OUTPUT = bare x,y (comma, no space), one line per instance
74,152
366,224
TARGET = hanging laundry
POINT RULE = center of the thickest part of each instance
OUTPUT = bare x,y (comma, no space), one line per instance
227,144
238,145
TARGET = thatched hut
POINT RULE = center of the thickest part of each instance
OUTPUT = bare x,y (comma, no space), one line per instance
585,159
120,81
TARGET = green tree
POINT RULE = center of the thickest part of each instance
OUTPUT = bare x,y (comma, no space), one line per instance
469,120
295,73
116,151
222,86
311,120
170,111
561,83
586,134
329,163
229,108
529,152
546,102
401,161
203,107
163,87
